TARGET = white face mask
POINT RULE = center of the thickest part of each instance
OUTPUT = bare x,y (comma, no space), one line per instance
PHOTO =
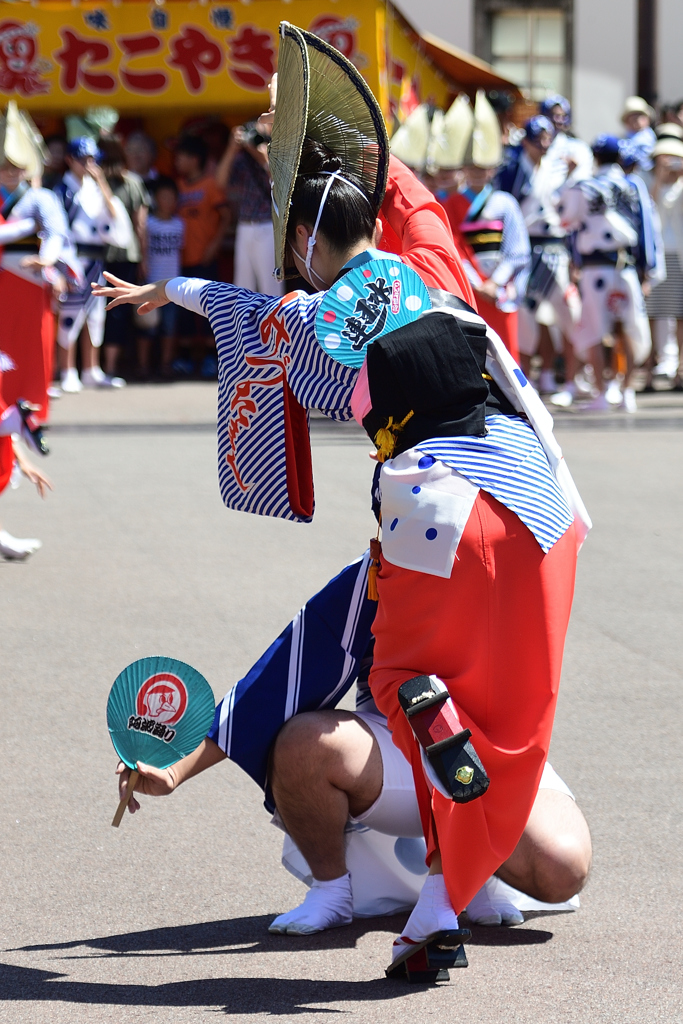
313,236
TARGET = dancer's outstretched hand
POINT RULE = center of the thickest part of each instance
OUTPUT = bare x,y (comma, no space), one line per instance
151,781
146,296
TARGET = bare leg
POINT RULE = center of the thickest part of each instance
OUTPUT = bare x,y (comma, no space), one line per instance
111,358
552,860
325,766
89,354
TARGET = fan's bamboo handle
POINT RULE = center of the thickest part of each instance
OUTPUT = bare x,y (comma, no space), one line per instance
133,778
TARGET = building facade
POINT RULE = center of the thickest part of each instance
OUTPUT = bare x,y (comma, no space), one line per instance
596,52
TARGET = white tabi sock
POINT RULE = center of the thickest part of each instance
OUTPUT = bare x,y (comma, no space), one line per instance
13,548
432,913
491,908
326,905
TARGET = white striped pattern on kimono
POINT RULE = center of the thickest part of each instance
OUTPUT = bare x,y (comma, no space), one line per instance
262,341
510,464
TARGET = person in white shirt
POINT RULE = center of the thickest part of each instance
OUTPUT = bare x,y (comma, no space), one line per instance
551,300
606,214
572,155
96,219
165,239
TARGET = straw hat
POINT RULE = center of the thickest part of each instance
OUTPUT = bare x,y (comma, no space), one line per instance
669,130
411,139
21,143
467,136
451,136
637,105
668,147
320,94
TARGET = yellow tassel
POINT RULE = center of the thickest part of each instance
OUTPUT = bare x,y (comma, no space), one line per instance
385,438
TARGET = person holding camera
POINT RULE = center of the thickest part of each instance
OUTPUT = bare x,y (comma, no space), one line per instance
244,169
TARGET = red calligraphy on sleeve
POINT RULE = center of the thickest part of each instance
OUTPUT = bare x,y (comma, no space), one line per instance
194,54
252,56
78,57
152,80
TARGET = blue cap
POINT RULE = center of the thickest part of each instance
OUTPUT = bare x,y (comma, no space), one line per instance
629,152
545,107
84,147
606,146
535,126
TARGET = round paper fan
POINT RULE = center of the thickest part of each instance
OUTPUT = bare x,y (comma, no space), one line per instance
158,711
372,299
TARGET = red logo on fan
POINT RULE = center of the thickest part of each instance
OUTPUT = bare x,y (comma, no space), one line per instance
162,697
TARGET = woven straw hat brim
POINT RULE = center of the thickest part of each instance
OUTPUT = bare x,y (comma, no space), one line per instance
20,141
410,141
668,147
321,95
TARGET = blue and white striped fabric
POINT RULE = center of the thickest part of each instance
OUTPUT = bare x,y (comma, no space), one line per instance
265,344
310,666
511,465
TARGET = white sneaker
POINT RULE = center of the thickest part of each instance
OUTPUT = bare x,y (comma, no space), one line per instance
628,401
14,549
71,383
547,383
668,368
613,393
54,391
584,382
95,377
562,399
599,404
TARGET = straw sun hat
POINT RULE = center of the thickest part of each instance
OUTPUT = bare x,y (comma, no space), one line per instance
21,143
320,94
463,135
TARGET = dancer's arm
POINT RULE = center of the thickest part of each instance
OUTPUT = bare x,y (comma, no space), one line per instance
161,782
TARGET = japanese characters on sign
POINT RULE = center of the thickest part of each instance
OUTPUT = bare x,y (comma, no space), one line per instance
129,53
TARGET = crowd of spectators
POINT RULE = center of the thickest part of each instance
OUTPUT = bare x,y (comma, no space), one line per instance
209,218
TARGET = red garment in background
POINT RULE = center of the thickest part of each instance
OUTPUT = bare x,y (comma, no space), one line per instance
504,324
28,334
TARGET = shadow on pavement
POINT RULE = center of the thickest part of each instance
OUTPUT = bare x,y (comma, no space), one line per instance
212,937
275,996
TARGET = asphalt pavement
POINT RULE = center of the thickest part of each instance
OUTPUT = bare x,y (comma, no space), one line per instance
165,919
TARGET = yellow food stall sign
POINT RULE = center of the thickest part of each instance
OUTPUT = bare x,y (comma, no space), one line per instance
55,57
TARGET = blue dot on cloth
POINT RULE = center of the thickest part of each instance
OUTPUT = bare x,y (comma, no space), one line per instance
431,533
394,524
426,461
599,283
416,489
520,377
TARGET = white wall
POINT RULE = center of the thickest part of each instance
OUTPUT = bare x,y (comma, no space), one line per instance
669,41
449,19
604,63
